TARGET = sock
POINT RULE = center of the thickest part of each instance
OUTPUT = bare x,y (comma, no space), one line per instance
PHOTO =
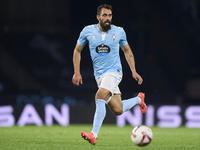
95,135
99,116
129,103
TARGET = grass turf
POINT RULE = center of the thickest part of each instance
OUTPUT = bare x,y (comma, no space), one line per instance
110,137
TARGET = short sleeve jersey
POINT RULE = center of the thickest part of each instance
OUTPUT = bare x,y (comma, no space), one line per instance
104,48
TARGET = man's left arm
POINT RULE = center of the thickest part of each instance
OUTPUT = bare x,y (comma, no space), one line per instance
131,62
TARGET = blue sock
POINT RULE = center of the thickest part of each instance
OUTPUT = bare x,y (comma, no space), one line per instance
99,116
129,103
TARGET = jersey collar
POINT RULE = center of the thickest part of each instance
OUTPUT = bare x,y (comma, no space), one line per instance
100,30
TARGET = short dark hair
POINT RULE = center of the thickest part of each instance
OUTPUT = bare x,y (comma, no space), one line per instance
103,6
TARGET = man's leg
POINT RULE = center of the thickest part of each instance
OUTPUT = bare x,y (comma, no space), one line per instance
129,103
115,104
99,116
118,107
107,84
101,95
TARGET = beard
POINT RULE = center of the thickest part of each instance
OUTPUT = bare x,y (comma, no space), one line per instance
104,26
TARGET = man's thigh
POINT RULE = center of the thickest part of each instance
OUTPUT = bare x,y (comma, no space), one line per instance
115,104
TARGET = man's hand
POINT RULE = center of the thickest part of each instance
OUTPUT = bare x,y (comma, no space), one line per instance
77,78
137,77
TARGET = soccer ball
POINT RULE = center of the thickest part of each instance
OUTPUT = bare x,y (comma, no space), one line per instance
141,135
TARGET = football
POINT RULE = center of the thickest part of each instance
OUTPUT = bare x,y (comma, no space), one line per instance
141,135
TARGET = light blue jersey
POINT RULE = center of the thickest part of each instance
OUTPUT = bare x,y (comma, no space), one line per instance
104,48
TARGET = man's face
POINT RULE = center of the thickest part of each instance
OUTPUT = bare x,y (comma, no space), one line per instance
105,19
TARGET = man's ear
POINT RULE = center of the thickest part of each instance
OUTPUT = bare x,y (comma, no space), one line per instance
97,17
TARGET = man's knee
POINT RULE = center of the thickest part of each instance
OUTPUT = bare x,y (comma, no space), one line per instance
117,111
99,95
102,94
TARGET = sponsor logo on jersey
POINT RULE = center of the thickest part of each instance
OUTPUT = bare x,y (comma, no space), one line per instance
102,49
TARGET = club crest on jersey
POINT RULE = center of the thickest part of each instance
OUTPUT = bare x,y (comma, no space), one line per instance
114,37
102,49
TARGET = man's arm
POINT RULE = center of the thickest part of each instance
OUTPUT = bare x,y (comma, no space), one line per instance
77,78
131,62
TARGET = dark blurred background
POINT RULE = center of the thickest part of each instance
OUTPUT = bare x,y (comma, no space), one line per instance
37,39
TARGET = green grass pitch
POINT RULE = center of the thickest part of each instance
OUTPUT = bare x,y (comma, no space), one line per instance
110,137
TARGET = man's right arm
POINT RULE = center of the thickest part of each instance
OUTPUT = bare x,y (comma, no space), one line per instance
77,78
